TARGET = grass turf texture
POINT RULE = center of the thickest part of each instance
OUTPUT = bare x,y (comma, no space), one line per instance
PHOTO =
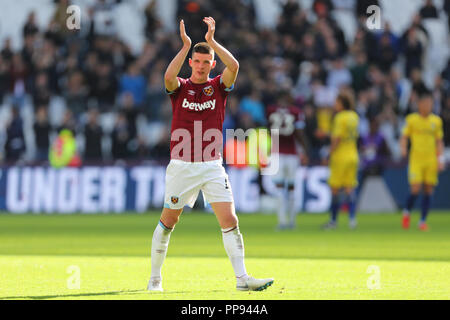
113,256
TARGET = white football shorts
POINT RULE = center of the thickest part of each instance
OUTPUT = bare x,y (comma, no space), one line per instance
184,180
287,167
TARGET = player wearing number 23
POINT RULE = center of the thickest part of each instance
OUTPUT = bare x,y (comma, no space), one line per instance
288,122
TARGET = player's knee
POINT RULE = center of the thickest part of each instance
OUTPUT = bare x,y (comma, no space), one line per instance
170,218
230,221
169,222
415,189
429,189
235,220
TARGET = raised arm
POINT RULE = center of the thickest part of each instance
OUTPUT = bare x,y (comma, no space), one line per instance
170,77
232,65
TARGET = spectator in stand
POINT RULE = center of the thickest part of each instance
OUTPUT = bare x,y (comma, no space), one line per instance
44,60
120,138
93,135
30,27
366,42
4,77
339,76
68,123
154,97
42,130
161,150
18,79
360,72
386,52
76,94
7,52
252,105
429,11
15,140
289,10
322,8
152,22
413,51
41,91
312,48
103,86
28,51
129,109
133,82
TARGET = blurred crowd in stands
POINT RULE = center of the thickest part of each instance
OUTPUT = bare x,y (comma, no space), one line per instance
100,78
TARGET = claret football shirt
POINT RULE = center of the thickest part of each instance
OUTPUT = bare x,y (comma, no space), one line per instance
286,120
198,114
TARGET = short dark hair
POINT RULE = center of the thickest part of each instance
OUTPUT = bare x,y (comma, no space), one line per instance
422,91
203,47
347,100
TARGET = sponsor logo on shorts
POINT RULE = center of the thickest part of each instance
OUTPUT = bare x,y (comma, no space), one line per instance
174,199
208,91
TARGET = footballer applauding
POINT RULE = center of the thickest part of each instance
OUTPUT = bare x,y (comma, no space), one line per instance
198,106
426,158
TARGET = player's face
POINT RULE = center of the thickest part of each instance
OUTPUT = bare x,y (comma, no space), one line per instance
425,105
201,64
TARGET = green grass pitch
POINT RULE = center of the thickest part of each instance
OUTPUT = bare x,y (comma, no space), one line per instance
112,255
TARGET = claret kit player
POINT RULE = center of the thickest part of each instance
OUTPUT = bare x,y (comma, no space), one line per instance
288,120
198,106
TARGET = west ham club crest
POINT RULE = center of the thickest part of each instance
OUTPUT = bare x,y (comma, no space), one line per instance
208,91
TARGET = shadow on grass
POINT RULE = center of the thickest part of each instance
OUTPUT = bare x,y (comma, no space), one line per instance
87,294
93,294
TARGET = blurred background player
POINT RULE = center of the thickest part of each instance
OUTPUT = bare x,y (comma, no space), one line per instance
289,121
344,159
424,130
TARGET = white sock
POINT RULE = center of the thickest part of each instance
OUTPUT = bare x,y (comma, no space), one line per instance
160,243
291,207
234,246
282,207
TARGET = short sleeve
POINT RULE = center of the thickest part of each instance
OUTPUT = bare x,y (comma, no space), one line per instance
181,82
407,128
223,87
338,128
